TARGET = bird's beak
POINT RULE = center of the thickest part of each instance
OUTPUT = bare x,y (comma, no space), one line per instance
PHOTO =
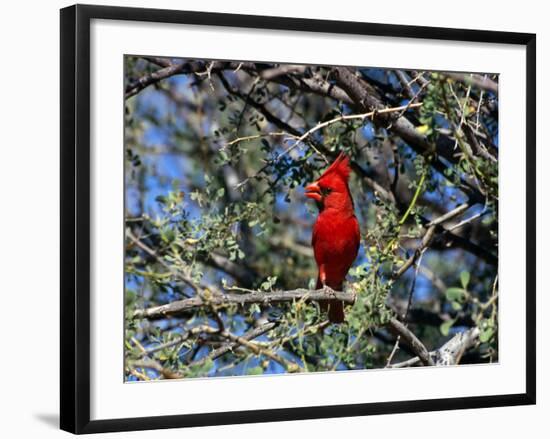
314,191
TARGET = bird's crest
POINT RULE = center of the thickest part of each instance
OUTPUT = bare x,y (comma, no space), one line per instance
340,166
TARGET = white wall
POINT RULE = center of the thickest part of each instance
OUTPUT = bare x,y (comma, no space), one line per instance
29,196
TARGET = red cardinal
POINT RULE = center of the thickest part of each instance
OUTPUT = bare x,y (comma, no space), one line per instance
336,233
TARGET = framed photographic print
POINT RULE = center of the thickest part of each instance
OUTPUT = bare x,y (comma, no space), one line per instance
283,218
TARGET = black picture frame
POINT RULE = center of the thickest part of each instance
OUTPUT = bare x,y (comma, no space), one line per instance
75,217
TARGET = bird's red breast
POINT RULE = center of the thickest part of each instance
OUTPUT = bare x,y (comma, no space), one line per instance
335,243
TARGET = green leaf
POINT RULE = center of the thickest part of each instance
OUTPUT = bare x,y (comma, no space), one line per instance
486,334
255,370
455,294
201,369
445,327
464,279
268,284
224,155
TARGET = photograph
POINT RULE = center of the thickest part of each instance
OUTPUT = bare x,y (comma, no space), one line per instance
295,218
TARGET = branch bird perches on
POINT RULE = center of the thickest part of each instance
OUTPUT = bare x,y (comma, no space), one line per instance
261,297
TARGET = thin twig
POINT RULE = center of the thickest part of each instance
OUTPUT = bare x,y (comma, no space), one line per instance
426,240
321,125
449,215
176,273
468,220
259,350
406,313
404,80
428,236
227,347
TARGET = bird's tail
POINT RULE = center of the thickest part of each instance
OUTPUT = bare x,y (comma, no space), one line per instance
336,311
335,308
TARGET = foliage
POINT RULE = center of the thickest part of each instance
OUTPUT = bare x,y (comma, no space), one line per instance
216,158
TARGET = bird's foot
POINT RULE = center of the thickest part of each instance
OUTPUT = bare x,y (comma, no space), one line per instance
327,290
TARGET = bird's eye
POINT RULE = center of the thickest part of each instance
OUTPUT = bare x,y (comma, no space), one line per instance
326,190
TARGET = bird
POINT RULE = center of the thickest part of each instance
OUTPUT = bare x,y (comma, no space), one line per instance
336,234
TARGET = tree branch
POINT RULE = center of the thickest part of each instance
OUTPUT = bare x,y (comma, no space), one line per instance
365,100
375,186
249,335
448,354
242,273
154,77
400,330
171,69
299,139
437,225
182,306
478,81
272,73
234,340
